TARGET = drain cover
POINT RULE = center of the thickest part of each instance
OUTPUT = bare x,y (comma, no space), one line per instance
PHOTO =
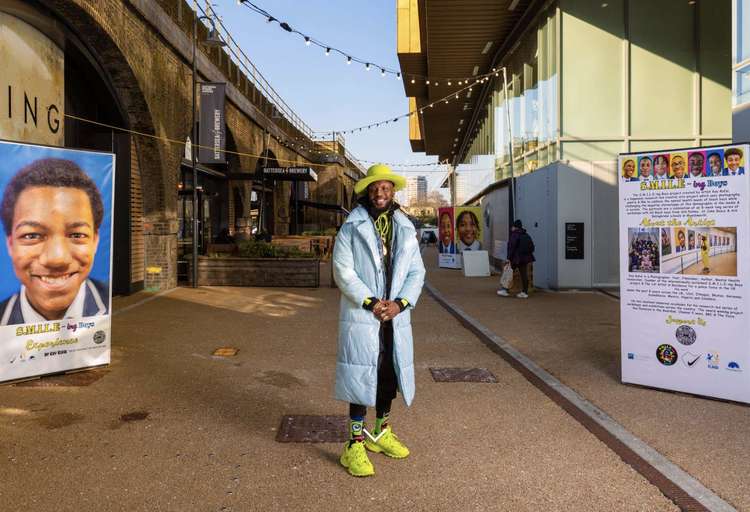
77,379
462,375
313,429
225,352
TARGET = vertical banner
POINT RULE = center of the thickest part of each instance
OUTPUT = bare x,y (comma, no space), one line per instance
212,137
57,268
684,278
468,228
448,256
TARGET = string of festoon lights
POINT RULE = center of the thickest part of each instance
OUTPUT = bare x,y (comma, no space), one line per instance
444,100
369,65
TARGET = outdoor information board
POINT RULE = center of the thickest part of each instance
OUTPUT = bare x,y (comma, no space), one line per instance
459,230
56,263
684,276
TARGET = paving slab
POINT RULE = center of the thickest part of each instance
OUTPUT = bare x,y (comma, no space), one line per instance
171,427
575,336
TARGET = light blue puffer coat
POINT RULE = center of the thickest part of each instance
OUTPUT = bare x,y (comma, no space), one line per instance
359,274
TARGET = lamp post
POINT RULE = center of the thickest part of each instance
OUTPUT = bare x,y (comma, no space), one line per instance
213,39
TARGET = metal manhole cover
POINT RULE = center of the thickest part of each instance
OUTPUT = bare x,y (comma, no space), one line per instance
78,379
462,375
313,429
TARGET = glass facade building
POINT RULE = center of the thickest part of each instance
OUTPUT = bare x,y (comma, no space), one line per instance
588,80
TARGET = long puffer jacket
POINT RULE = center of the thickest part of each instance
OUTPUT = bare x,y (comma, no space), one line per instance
359,273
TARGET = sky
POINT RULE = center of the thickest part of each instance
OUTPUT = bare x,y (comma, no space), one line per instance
323,90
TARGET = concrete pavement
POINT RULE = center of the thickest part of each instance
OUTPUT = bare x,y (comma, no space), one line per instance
169,427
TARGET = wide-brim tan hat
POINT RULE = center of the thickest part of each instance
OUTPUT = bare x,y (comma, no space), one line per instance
379,172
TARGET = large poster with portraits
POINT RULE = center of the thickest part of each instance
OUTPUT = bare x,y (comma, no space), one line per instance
55,298
684,276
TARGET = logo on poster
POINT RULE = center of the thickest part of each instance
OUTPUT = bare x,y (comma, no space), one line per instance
712,359
734,366
685,335
666,354
689,359
99,337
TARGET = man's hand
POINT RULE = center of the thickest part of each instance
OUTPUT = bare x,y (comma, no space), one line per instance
385,310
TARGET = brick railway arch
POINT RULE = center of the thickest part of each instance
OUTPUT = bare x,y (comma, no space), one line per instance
100,71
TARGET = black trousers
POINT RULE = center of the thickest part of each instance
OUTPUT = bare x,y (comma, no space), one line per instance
387,381
523,270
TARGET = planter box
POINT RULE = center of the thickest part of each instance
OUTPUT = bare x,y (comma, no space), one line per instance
262,272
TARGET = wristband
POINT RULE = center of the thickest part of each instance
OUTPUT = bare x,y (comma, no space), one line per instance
402,303
369,303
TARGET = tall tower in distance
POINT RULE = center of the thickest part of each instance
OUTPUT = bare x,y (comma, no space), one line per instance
416,190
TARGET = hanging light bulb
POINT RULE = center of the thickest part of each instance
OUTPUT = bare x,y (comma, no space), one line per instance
270,19
456,95
367,66
436,84
382,72
449,83
460,83
348,60
398,76
427,82
328,52
307,41
412,80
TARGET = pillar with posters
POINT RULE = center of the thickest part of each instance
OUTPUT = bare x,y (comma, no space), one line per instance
684,242
55,295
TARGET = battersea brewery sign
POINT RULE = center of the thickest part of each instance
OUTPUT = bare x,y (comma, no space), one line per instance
32,84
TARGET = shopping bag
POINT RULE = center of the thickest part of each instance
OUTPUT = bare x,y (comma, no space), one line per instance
506,278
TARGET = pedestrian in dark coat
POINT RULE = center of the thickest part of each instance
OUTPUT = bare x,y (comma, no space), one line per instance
520,254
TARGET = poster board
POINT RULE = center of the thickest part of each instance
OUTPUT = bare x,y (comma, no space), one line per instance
684,278
476,264
459,230
55,294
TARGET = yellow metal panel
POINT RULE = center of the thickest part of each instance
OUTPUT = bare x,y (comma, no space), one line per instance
414,131
407,31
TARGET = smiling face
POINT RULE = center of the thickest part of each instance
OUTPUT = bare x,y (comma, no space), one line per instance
446,229
467,229
628,169
733,162
645,167
52,245
714,163
661,166
381,194
678,167
696,162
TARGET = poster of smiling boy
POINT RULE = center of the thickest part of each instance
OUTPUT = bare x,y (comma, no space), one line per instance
56,211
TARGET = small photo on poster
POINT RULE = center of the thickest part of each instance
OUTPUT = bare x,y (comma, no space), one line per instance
661,167
645,168
710,251
696,164
446,244
468,229
715,162
628,170
643,250
680,238
666,242
734,162
678,166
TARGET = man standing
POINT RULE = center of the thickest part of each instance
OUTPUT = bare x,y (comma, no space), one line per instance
378,268
520,254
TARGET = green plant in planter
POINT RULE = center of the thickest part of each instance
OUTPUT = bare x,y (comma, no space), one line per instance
256,249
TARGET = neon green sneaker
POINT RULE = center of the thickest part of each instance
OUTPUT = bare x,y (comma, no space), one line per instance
387,444
355,460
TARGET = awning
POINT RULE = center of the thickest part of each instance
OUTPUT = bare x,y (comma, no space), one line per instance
203,169
289,173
